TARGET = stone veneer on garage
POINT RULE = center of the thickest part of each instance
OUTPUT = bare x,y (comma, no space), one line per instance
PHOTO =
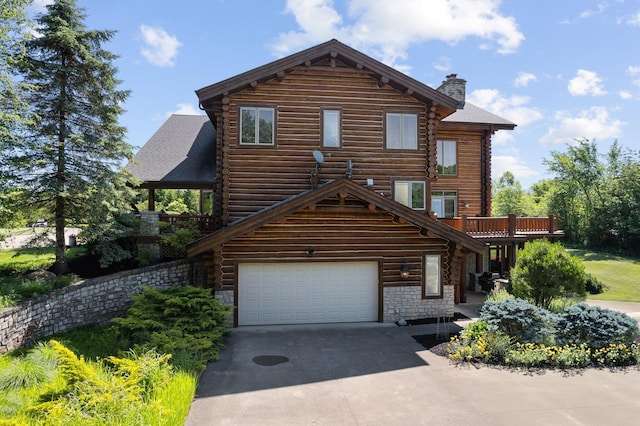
407,303
399,303
94,301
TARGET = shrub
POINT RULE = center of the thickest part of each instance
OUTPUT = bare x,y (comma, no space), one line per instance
520,320
596,326
593,285
545,271
617,355
477,343
182,318
108,392
499,295
538,355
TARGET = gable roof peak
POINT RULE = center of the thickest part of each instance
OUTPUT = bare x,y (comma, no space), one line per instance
332,50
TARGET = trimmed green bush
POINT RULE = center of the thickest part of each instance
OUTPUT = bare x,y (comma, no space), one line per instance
176,320
593,285
545,271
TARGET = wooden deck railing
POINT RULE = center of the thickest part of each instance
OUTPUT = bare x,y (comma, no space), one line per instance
506,226
204,222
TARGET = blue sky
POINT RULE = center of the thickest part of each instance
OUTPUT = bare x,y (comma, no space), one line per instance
559,69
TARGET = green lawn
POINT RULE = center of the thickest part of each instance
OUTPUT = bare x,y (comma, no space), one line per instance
621,276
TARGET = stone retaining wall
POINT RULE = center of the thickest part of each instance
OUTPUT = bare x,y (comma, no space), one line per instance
94,301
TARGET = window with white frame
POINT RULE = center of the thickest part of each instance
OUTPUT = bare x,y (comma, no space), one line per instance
331,128
444,203
410,193
257,126
447,158
402,131
432,276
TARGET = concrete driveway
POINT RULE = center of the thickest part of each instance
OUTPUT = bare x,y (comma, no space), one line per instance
376,374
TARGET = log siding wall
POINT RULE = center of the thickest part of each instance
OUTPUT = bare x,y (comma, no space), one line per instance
337,236
261,176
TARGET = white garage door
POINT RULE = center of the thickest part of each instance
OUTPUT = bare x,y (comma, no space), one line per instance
309,292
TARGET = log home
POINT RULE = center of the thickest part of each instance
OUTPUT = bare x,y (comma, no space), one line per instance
342,189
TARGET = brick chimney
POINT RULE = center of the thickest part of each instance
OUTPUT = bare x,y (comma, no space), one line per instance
455,88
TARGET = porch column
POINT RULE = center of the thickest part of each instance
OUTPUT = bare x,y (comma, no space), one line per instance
152,200
149,238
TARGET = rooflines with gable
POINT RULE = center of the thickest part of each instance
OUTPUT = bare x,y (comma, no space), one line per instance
180,154
332,49
305,199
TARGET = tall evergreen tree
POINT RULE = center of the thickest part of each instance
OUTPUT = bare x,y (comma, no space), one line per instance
70,159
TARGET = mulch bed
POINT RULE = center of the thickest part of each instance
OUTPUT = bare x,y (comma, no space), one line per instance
457,316
433,342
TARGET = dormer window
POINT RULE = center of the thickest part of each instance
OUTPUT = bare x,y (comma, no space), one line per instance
257,126
402,131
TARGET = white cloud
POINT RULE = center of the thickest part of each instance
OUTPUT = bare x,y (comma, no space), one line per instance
185,109
512,108
512,163
586,83
625,94
593,123
634,20
443,64
602,6
502,138
386,29
524,78
634,72
159,48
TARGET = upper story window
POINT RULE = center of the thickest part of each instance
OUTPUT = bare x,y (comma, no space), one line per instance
447,158
257,126
410,193
402,131
444,203
331,128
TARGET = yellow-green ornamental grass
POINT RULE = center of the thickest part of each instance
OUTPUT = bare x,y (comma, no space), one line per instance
51,385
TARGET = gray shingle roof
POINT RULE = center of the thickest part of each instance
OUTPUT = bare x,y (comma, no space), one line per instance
472,114
181,154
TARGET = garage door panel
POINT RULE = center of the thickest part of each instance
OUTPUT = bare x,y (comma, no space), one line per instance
308,292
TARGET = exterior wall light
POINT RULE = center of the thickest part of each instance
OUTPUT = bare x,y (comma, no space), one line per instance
405,269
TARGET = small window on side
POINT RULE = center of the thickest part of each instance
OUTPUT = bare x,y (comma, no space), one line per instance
432,276
331,126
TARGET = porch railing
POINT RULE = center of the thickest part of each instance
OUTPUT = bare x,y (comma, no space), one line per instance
505,226
204,222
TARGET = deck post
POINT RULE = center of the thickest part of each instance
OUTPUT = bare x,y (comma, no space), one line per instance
512,224
463,225
552,224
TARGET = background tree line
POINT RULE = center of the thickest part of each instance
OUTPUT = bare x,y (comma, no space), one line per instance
595,196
